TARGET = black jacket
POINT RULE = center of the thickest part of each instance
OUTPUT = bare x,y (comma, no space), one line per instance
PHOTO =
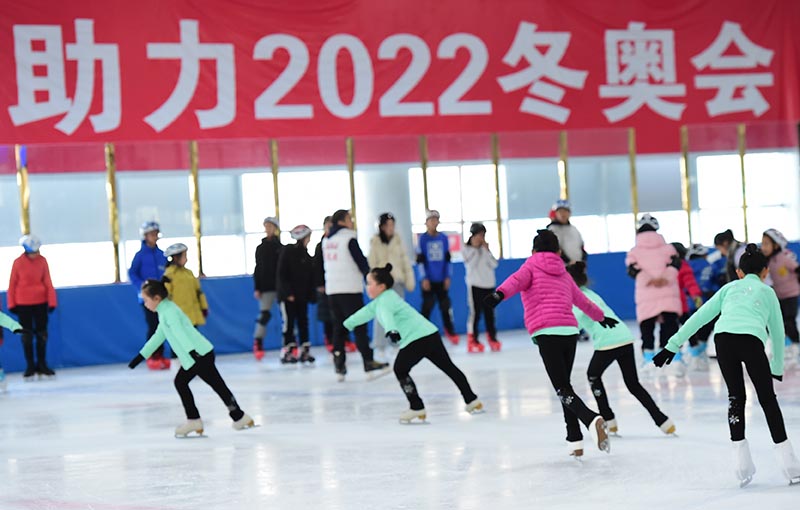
267,254
296,274
319,267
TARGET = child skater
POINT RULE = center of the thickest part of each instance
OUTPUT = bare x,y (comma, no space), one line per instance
479,264
548,294
184,287
196,356
418,338
10,324
610,345
749,314
433,257
654,264
295,292
783,269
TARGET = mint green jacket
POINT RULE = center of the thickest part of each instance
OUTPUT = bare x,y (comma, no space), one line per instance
183,337
394,314
604,339
9,323
748,307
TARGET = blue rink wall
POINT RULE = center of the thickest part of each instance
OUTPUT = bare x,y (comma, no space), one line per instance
105,324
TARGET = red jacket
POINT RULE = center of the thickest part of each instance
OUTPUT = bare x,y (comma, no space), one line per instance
688,285
30,283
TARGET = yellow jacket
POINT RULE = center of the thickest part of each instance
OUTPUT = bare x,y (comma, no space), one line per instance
184,289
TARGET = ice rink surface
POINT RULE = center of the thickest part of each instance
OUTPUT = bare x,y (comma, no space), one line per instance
102,439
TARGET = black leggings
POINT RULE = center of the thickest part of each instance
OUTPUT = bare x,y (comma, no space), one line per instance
432,348
296,312
429,298
624,357
732,351
477,307
669,326
789,313
33,319
343,306
205,369
558,355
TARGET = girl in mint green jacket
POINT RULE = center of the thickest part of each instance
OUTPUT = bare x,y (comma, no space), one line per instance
14,326
749,314
418,338
610,345
195,353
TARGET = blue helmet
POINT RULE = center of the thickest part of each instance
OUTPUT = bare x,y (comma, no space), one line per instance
147,227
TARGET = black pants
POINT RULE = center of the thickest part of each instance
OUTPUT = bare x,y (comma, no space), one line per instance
429,299
341,307
669,326
205,369
152,324
626,360
789,313
732,351
295,313
33,318
431,348
478,307
558,355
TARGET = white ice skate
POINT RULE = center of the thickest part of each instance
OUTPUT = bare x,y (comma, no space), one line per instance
182,431
245,422
745,469
599,431
474,407
668,427
612,427
575,449
789,463
408,415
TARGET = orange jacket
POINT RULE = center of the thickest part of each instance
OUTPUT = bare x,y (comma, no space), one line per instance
30,283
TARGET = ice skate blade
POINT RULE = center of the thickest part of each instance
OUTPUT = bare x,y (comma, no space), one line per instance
605,446
377,374
195,434
419,421
577,455
795,481
743,483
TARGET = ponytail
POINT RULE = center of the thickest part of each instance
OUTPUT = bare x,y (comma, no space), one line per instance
752,260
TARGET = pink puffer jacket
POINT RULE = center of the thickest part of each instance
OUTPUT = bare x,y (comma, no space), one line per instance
652,255
548,293
782,267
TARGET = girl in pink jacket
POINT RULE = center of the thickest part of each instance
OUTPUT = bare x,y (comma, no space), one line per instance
654,264
783,270
548,293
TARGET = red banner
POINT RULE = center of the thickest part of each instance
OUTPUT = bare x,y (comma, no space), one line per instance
116,70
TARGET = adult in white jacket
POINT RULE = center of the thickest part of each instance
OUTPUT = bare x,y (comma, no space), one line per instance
388,248
479,265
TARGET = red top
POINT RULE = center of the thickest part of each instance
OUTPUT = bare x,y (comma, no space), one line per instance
30,283
688,284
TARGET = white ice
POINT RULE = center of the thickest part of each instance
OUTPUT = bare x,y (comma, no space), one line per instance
101,438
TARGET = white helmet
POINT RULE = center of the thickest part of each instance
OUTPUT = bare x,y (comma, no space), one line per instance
647,220
175,249
777,237
300,232
147,227
696,250
30,243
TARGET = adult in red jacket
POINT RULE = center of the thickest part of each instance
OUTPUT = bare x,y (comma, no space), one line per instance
30,297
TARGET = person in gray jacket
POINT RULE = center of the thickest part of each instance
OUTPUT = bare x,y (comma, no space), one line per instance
569,239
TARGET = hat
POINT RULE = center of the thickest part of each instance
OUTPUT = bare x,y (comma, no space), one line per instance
30,243
273,220
647,222
477,228
777,237
300,232
432,213
562,204
175,249
545,240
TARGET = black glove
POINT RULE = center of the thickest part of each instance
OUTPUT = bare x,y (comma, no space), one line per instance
135,361
675,262
609,322
393,336
777,377
494,299
195,355
51,309
22,331
633,270
663,357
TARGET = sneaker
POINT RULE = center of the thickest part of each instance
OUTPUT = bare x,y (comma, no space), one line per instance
494,343
349,346
410,414
788,461
188,427
599,431
258,349
245,422
745,469
454,339
473,345
668,427
474,407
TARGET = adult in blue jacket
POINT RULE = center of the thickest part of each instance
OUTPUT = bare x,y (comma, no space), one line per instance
149,263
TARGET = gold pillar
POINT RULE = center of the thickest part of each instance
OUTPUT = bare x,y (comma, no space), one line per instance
423,161
686,196
563,170
634,183
24,192
273,153
741,133
351,172
113,211
496,164
194,195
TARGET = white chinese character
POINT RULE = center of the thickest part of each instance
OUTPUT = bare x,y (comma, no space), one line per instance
750,56
190,51
51,83
541,65
640,66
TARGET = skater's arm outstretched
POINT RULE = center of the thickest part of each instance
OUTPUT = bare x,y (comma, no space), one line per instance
154,342
700,318
520,280
361,316
586,305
